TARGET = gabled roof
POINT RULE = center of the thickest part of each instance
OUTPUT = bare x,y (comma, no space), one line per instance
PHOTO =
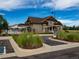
35,20
51,18
22,24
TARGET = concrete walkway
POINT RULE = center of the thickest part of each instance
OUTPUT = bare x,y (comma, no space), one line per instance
7,55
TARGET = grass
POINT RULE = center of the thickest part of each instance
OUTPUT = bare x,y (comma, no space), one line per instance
73,31
69,36
28,40
45,33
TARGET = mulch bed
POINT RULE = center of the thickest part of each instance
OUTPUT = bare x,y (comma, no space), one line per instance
51,42
7,44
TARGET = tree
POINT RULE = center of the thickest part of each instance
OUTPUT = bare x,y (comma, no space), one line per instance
3,23
70,27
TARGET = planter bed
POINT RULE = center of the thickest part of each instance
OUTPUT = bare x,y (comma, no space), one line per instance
28,41
52,42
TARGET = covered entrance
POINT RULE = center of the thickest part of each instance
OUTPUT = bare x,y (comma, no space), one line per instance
52,29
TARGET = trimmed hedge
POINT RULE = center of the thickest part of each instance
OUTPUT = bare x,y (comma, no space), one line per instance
28,41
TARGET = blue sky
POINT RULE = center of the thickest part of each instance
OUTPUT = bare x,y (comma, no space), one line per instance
17,11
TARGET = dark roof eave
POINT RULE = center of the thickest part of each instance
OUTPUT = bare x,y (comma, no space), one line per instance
38,23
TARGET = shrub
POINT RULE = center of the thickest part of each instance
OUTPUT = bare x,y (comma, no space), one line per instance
66,31
0,31
62,35
21,40
28,40
14,37
34,42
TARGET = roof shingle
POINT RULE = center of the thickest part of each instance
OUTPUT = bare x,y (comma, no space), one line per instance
35,20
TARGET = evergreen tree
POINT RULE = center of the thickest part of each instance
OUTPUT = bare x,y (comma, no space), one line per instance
70,27
3,23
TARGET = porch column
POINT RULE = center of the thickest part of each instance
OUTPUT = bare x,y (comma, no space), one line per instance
52,30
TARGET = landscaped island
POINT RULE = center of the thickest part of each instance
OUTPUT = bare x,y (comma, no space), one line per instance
28,40
67,35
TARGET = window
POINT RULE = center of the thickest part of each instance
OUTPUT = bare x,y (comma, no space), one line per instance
50,23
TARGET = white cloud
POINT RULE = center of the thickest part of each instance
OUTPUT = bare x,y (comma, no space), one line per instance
69,22
49,4
11,4
62,4
16,4
57,4
2,14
